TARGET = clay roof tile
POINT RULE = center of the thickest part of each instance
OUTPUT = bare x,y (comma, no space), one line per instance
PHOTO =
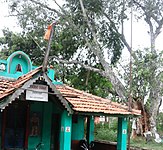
85,102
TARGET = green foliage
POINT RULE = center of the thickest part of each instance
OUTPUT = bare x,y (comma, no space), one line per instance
34,16
70,42
111,41
106,131
144,70
108,37
160,122
31,17
91,82
13,42
65,44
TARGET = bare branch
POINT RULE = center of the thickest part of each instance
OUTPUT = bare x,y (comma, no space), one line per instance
148,17
117,84
101,72
122,35
145,12
158,29
45,6
57,4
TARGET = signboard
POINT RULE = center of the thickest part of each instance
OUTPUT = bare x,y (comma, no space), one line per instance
37,92
67,129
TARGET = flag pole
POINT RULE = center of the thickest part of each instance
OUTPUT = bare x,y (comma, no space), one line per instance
45,62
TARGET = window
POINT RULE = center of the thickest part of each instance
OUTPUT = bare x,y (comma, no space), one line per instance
18,68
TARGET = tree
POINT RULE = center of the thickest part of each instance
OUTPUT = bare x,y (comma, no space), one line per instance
142,85
99,28
152,12
13,41
89,81
68,24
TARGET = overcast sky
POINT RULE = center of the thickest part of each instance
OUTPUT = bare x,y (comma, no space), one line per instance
6,21
140,36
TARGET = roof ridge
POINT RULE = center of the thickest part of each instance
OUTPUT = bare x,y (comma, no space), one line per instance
86,93
7,78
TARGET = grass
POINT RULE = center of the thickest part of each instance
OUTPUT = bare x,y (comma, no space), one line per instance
151,145
108,132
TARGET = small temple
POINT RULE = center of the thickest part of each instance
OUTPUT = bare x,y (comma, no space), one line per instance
36,109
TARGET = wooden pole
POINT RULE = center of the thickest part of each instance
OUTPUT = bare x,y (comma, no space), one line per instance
45,62
130,93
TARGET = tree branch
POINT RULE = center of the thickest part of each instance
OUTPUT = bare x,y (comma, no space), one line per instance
122,37
97,50
101,72
158,29
57,4
145,12
117,84
151,15
45,6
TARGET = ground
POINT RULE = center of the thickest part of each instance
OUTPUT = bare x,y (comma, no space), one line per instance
140,142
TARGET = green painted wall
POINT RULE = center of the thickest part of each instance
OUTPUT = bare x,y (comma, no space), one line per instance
65,133
78,128
46,128
45,110
19,57
22,61
122,134
34,140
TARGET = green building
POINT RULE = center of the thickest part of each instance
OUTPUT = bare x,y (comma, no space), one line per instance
37,111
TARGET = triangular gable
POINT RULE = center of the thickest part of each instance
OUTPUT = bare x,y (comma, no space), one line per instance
13,89
58,94
8,86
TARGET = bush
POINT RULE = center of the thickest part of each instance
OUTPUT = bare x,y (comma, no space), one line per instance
106,131
160,122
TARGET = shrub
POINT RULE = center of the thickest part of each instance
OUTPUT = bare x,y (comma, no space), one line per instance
106,131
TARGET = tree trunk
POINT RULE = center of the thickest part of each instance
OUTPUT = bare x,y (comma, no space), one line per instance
141,124
156,98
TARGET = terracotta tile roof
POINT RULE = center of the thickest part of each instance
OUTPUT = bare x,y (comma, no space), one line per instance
80,101
84,102
8,86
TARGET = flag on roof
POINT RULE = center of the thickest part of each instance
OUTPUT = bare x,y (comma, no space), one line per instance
48,31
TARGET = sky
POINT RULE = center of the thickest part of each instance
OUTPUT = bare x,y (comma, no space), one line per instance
140,35
5,21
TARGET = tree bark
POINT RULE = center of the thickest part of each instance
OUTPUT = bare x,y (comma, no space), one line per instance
156,99
142,123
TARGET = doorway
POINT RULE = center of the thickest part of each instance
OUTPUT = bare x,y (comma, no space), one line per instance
14,126
55,132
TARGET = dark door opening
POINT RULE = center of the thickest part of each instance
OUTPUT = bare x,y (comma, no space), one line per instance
55,131
15,126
